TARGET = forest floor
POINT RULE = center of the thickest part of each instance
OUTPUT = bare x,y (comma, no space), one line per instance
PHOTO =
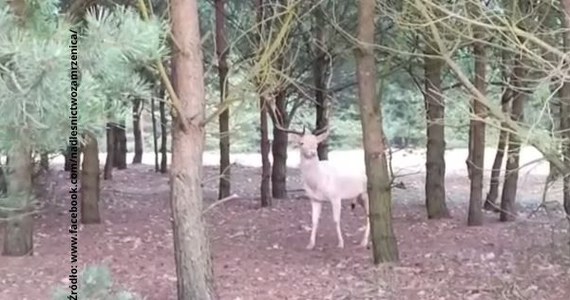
260,253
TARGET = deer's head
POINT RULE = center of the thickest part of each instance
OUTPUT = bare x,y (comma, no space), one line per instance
307,142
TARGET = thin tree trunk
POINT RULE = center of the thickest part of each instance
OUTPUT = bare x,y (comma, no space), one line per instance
319,67
477,137
19,228
385,246
508,209
120,157
265,146
435,156
154,133
44,161
565,111
265,163
3,183
280,138
90,183
109,161
137,131
279,150
222,50
163,138
191,243
67,161
491,200
551,19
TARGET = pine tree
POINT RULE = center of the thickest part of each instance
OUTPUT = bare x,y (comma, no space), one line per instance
38,82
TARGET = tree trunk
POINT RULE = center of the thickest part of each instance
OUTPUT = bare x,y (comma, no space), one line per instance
90,186
163,147
279,150
137,131
508,209
222,50
265,163
67,160
319,67
265,146
385,246
120,157
491,200
19,228
191,244
435,156
565,111
3,183
555,127
44,161
565,129
477,138
109,161
154,133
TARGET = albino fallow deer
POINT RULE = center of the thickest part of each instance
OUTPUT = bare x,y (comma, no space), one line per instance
324,183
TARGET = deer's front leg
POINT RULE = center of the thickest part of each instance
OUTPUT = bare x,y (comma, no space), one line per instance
316,207
336,208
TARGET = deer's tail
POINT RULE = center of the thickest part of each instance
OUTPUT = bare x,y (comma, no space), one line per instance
355,201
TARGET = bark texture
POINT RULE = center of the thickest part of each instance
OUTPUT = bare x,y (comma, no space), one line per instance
319,70
385,246
224,187
3,183
508,197
154,134
120,157
137,131
19,228
109,160
279,151
163,138
491,200
477,138
565,111
66,157
435,156
265,146
90,183
191,244
44,161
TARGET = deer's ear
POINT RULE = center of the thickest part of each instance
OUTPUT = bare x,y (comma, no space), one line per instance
323,136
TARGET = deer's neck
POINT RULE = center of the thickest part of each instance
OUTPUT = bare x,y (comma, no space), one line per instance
309,166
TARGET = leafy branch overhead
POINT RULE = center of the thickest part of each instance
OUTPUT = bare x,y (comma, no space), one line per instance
35,66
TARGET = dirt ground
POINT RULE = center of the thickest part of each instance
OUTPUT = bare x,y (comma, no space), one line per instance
260,253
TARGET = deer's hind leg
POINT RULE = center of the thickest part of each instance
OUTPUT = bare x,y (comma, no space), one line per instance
363,200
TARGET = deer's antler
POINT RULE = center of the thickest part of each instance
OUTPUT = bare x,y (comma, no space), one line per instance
321,130
278,126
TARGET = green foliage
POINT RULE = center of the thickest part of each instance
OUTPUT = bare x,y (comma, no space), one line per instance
401,38
96,283
35,83
404,116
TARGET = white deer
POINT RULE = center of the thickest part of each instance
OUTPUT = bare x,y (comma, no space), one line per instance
322,182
